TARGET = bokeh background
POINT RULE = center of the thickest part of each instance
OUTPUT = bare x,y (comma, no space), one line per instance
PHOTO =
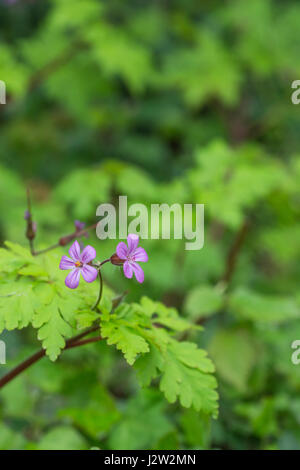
164,101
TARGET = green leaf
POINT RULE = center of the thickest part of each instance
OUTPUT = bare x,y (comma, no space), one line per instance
10,440
148,366
33,270
86,318
185,378
196,428
234,353
97,416
165,316
96,183
263,308
53,327
17,304
62,438
184,370
125,339
132,432
203,301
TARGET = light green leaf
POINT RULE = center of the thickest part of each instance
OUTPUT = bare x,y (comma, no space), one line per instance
203,301
125,339
263,308
235,353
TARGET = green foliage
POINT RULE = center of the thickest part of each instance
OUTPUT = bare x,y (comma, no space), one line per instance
203,301
184,369
36,296
130,432
169,102
61,438
263,308
235,353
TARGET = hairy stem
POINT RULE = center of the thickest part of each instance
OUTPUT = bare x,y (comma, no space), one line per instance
100,290
70,343
68,239
234,252
29,229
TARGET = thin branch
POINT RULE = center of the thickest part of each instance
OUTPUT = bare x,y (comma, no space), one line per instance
94,339
45,250
70,343
45,72
100,290
65,240
30,232
234,252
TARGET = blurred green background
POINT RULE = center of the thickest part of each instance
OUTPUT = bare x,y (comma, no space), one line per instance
163,101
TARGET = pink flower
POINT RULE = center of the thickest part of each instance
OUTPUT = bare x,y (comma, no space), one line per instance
79,264
80,226
130,255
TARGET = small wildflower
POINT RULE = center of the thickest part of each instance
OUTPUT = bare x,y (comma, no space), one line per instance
129,255
79,264
26,215
80,226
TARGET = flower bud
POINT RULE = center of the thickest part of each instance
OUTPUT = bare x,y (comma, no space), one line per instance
31,230
66,240
114,259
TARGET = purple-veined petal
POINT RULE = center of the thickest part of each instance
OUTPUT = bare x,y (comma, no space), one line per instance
88,254
138,272
140,254
122,250
133,241
74,251
72,279
127,270
66,263
89,273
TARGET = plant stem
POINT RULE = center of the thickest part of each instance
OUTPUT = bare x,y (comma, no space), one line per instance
100,285
29,230
70,343
100,289
40,252
70,238
105,261
234,251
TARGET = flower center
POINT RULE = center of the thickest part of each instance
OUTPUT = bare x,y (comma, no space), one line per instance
78,264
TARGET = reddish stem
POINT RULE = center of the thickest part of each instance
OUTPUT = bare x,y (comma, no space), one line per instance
70,343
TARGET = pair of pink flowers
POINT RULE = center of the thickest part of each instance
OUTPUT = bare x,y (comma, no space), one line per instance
80,263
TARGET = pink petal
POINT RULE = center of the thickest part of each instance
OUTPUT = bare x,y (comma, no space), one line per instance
89,273
140,254
88,254
66,263
139,273
74,251
79,225
127,270
72,279
133,241
122,250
